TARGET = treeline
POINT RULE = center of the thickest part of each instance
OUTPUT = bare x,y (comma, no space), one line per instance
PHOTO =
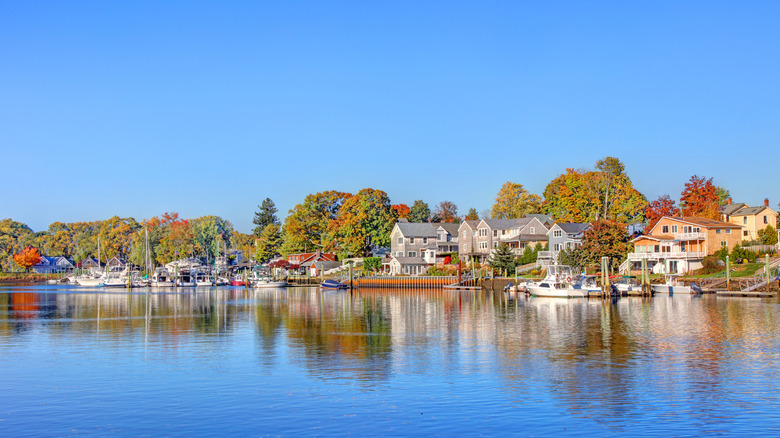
353,224
169,237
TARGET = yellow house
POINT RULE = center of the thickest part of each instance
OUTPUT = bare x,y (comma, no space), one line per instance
676,245
752,219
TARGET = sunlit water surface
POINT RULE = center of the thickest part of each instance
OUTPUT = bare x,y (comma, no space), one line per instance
306,362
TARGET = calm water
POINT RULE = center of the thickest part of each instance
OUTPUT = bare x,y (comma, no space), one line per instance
306,362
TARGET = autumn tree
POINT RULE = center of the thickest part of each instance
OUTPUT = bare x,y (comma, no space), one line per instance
363,221
699,198
514,201
605,238
402,211
265,216
209,233
420,212
472,215
663,206
14,236
27,258
584,196
307,223
446,211
268,243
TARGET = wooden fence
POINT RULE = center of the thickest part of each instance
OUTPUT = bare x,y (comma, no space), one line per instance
403,282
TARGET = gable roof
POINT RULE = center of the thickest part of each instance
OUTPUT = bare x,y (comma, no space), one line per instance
417,229
730,209
410,260
572,227
543,218
471,224
750,211
450,228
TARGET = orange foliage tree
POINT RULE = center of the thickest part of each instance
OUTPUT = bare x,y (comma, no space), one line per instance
27,257
700,198
402,210
663,206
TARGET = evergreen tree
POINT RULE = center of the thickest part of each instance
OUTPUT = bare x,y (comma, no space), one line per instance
268,244
420,212
265,216
503,259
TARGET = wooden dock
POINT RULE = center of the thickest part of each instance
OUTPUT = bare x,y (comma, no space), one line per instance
744,293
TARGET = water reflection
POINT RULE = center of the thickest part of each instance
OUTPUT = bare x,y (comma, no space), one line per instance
605,360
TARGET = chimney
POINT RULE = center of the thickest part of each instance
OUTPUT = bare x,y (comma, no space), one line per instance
766,202
729,201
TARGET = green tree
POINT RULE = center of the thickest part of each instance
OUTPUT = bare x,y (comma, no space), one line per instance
372,264
573,257
503,259
269,243
265,216
609,171
472,215
419,212
723,195
767,236
514,201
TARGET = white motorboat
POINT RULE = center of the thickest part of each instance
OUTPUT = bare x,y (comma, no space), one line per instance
559,283
627,284
672,286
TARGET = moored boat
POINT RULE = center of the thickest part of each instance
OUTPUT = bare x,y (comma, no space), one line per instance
672,286
333,284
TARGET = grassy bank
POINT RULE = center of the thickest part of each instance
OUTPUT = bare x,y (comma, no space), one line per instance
24,277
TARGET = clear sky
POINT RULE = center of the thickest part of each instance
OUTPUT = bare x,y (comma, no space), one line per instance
138,108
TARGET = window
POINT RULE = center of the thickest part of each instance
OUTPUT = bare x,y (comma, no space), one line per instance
495,233
674,228
722,243
399,254
656,248
412,253
744,220
400,240
425,240
728,231
411,240
717,231
533,231
557,233
765,221
495,244
745,233
483,245
503,232
665,229
482,232
557,247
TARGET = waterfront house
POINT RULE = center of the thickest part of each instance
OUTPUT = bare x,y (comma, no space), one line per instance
414,240
677,245
566,235
408,265
52,265
447,238
307,258
91,265
545,219
116,264
752,219
478,239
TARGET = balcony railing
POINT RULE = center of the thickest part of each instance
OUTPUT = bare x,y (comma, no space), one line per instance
687,255
690,236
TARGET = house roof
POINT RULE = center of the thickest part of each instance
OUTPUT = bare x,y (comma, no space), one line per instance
418,229
750,211
730,209
656,238
502,224
572,227
543,218
450,228
704,222
471,223
410,260
526,238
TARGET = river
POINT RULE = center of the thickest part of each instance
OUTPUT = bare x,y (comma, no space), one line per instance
301,361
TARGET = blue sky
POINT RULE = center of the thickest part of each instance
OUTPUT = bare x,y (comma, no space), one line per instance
137,108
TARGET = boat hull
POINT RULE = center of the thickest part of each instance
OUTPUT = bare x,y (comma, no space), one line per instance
568,292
